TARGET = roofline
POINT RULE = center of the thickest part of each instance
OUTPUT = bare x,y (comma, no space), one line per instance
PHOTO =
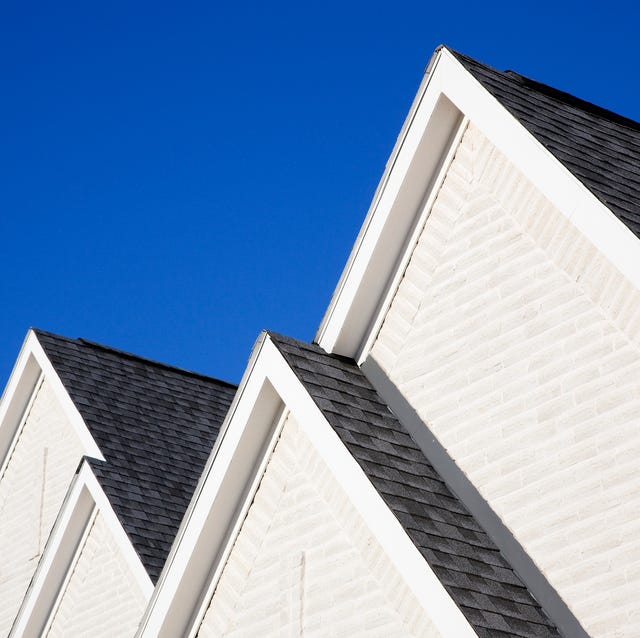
559,94
332,308
171,577
31,369
134,357
400,206
218,490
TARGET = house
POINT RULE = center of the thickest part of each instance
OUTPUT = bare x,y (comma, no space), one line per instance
455,455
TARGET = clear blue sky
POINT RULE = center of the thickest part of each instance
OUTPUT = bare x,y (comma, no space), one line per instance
176,177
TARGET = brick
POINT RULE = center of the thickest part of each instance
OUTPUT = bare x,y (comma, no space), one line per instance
27,512
102,597
349,585
524,359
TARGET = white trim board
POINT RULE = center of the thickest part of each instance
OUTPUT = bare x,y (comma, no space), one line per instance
33,365
89,444
117,531
83,501
242,512
211,513
17,397
84,494
12,432
447,94
178,603
55,562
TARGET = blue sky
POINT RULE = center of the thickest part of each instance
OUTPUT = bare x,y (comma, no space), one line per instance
176,177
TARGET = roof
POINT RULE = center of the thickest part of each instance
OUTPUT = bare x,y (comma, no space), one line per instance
465,559
601,148
155,425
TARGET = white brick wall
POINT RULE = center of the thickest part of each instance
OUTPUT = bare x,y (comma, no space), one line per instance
102,597
304,562
519,345
48,450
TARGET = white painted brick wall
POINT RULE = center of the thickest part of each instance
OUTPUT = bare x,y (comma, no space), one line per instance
519,345
305,563
27,512
102,597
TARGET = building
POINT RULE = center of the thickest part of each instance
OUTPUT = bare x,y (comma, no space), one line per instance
454,456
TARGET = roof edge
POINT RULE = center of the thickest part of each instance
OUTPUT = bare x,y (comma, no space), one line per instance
550,91
134,357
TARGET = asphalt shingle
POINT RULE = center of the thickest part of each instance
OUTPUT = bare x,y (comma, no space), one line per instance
155,425
601,148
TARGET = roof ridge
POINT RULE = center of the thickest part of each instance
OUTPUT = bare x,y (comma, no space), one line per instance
554,93
573,100
135,357
159,364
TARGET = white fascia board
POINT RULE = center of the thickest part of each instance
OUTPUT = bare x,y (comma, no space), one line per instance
84,498
16,398
32,365
270,369
383,220
177,595
336,307
387,295
351,315
74,417
56,560
244,503
118,533
80,543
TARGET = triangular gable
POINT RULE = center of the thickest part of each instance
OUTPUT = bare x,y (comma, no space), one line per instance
465,559
43,441
449,97
304,562
435,543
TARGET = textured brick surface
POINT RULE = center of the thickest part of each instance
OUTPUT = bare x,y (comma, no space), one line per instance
102,597
27,511
304,562
519,345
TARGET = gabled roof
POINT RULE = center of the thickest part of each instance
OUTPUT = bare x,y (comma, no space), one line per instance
601,148
155,426
583,159
465,559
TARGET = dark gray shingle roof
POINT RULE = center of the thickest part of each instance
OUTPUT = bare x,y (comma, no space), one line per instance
601,148
464,558
155,425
